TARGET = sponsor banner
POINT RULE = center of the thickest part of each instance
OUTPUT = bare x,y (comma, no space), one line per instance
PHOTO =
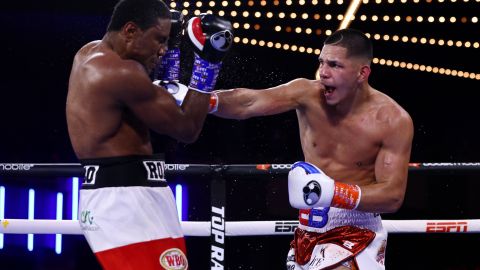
446,227
16,166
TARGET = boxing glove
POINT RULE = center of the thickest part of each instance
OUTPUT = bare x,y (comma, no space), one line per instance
309,187
168,68
179,91
211,37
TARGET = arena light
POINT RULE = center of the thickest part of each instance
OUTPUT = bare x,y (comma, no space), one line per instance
421,68
31,216
352,9
2,211
178,200
427,68
75,186
59,216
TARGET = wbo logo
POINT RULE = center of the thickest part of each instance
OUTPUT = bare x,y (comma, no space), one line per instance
173,259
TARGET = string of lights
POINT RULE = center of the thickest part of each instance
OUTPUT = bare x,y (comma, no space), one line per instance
260,20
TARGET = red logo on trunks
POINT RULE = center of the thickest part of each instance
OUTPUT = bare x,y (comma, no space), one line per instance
453,226
174,259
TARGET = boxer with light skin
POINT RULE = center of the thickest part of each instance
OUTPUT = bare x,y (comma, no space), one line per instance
356,143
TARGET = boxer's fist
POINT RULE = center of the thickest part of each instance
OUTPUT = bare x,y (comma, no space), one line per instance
176,30
177,90
211,36
309,187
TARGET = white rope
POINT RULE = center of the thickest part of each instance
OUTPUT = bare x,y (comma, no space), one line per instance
243,228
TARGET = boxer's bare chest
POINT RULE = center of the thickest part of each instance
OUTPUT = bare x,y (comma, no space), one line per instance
350,143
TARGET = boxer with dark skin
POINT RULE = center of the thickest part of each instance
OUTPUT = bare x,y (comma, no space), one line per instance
112,103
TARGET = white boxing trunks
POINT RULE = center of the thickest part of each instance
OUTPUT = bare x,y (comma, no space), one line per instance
128,214
330,237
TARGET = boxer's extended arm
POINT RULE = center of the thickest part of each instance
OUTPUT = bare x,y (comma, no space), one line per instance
242,103
391,169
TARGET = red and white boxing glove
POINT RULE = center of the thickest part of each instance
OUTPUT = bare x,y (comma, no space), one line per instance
309,187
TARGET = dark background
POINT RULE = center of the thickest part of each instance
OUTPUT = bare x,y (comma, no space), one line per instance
39,40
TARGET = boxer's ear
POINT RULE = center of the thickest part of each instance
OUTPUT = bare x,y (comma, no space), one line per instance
364,73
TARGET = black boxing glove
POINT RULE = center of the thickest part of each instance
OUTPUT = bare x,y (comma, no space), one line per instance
176,30
211,37
168,68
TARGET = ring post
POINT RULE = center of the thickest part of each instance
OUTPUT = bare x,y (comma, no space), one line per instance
217,226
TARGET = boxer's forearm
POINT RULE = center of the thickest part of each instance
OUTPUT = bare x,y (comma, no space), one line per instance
235,103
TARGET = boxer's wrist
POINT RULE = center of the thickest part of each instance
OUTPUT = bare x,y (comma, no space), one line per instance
204,75
213,105
168,69
346,196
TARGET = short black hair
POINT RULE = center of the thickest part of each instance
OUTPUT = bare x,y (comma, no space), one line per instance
355,41
144,13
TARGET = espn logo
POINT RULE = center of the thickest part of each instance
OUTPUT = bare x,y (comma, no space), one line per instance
285,226
454,226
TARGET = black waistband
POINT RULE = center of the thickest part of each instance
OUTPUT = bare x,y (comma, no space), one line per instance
124,171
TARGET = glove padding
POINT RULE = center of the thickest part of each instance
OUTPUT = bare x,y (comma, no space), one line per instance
211,36
309,187
177,90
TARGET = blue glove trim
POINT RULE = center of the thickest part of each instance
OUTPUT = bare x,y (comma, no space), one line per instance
204,75
309,168
319,212
169,67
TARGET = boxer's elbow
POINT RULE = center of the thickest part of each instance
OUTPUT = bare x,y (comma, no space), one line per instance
394,203
189,133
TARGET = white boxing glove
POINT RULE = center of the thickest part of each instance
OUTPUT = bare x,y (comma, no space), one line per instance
177,90
309,187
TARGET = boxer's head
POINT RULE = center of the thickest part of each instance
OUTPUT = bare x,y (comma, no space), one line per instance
143,28
358,45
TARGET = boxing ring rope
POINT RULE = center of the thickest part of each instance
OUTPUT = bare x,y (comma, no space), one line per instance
232,228
243,228
218,227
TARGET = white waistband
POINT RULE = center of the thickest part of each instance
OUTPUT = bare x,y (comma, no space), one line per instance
342,217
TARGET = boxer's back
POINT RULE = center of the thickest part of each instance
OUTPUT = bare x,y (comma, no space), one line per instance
98,122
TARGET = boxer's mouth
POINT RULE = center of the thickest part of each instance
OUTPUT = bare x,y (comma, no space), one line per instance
329,90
